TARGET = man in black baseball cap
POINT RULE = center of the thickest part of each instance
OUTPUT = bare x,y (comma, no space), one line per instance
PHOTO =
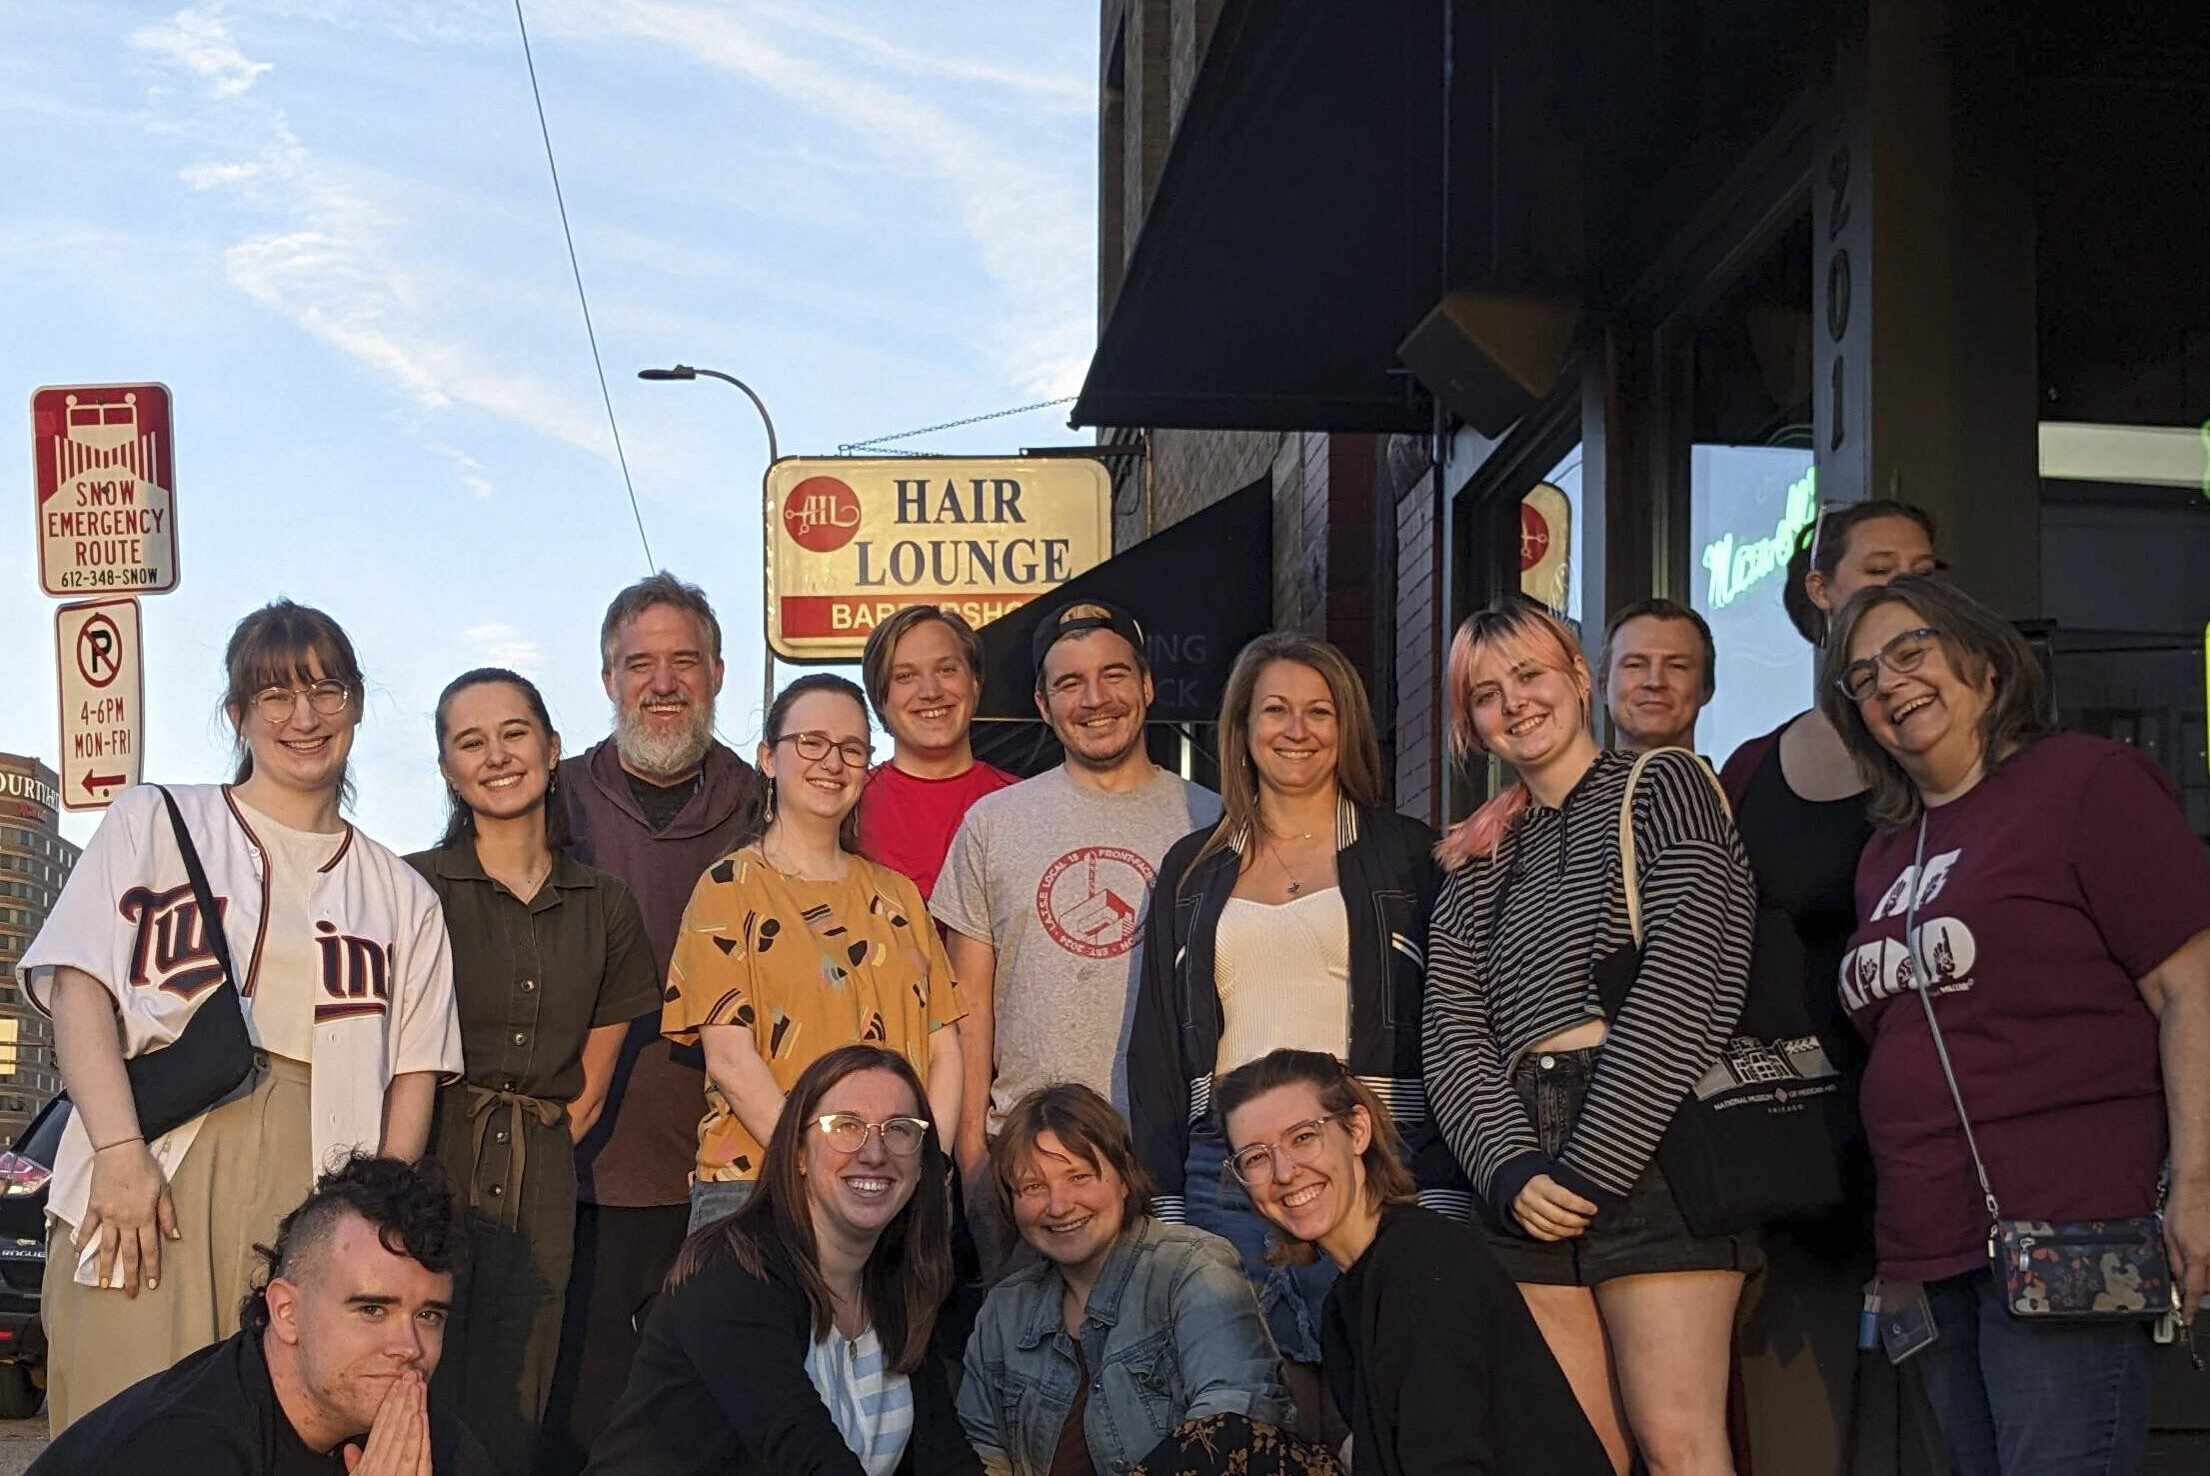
1044,890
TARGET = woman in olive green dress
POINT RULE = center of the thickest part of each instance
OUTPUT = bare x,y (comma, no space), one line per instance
550,964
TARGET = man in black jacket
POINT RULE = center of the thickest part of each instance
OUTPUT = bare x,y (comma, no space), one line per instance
330,1371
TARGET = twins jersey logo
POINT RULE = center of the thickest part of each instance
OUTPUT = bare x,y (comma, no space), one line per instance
171,948
356,975
1091,900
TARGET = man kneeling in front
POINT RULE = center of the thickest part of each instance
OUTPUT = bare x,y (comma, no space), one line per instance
330,1371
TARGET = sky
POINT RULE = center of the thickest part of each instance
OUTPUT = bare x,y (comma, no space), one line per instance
329,228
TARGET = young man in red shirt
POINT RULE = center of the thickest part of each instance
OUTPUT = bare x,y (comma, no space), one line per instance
923,672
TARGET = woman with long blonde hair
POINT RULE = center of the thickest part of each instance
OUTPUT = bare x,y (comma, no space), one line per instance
1554,1109
1300,919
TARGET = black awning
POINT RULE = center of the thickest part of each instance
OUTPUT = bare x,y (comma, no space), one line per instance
1295,235
1203,589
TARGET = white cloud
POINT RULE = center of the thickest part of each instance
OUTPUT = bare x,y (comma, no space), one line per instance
200,42
1060,94
1031,229
470,471
215,176
500,644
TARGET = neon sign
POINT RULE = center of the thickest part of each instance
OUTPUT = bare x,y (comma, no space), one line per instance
1737,568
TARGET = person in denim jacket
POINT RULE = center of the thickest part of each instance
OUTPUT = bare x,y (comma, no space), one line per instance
1164,1325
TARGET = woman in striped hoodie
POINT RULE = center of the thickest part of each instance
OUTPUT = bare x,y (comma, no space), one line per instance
1555,1110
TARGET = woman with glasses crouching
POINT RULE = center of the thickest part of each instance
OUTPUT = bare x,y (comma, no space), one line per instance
2042,895
792,1337
1427,1346
794,944
1125,1328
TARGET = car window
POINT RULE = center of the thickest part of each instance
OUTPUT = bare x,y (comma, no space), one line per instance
42,1139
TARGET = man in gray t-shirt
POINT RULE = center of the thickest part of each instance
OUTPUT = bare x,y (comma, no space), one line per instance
1046,885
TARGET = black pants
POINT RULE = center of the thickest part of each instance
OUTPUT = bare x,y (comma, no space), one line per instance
622,1256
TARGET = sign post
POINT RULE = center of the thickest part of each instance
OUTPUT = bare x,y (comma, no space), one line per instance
105,482
850,540
97,649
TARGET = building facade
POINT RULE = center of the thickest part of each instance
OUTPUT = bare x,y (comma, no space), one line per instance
34,862
1604,299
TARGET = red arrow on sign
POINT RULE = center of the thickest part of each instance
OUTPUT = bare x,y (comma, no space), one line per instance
101,781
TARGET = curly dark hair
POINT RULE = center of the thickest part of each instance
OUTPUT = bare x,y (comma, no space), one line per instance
410,1205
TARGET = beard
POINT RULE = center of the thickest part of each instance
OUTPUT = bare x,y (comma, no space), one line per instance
663,755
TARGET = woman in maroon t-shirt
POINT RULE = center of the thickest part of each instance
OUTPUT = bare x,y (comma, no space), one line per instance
2064,918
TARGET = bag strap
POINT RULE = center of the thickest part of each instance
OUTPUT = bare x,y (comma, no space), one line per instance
211,918
1627,870
1919,981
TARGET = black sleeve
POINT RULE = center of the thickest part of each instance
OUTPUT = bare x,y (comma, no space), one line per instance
175,1441
1158,1086
747,1338
939,1446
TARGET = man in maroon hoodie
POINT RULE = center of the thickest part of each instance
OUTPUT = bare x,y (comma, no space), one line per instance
654,804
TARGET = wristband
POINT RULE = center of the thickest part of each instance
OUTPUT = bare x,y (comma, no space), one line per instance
119,1142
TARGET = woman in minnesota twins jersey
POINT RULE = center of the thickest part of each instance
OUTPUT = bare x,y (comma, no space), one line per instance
347,991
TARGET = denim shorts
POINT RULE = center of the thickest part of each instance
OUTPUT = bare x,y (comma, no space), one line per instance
1644,1236
715,1199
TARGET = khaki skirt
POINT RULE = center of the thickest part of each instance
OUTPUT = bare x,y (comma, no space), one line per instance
251,1165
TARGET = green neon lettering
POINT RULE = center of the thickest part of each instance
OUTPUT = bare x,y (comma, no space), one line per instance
1737,568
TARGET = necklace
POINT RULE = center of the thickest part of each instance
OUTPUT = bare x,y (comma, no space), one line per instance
1273,847
529,888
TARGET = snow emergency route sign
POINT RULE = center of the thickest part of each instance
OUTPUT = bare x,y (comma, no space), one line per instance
102,681
106,483
852,540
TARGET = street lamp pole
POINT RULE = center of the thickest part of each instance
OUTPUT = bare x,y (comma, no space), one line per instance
686,371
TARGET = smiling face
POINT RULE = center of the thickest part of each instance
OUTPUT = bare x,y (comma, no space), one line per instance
1094,694
495,754
930,698
855,1196
1070,1209
1294,739
306,751
1527,714
1879,549
663,681
353,1319
1305,1201
826,788
1928,717
1655,683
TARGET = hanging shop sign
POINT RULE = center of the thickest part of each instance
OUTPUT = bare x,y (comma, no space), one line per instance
852,540
1546,546
105,480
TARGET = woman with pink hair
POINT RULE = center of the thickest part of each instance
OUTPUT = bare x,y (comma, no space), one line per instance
1554,1105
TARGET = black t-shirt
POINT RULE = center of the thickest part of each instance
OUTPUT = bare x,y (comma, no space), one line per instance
661,802
215,1413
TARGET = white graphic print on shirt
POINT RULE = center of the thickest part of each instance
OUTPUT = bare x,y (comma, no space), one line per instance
1882,968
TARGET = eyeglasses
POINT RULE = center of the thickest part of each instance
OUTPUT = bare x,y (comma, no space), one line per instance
277,704
1300,1145
1900,655
814,747
847,1132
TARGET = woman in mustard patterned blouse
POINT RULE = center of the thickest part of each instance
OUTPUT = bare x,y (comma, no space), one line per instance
794,944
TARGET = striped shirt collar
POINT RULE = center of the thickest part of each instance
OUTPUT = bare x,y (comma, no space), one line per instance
1346,827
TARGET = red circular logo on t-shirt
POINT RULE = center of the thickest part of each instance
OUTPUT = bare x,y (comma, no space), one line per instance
1091,900
821,514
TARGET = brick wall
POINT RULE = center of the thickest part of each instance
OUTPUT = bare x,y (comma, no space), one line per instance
1419,672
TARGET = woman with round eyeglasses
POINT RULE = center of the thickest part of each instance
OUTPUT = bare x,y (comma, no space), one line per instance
793,1337
342,973
794,944
2043,898
1427,1347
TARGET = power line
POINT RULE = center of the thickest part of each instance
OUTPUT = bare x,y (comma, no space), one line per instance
576,267
877,445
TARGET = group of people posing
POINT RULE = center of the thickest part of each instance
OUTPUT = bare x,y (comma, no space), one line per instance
681,1114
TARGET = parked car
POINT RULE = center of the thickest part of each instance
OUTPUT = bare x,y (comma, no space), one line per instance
24,1170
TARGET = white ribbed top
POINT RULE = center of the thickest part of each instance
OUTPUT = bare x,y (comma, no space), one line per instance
1284,976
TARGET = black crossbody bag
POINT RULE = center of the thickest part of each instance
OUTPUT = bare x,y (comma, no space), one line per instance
214,1053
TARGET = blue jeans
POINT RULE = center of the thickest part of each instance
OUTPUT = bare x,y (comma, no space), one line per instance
2016,1397
1291,1296
714,1199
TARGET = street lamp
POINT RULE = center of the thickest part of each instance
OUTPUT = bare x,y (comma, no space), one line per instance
685,371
